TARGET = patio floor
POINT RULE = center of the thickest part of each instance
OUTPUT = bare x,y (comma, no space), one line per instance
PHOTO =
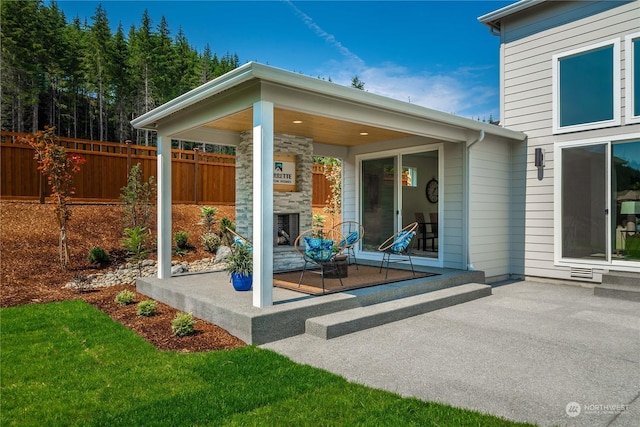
211,297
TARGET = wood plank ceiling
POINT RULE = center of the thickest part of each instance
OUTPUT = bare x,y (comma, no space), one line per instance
321,129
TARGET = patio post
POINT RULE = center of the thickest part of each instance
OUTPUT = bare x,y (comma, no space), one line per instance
164,206
262,204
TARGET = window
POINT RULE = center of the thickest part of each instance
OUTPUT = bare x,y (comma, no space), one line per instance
586,88
632,78
409,177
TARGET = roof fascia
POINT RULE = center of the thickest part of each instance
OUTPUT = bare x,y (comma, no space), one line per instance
215,86
492,19
316,86
357,96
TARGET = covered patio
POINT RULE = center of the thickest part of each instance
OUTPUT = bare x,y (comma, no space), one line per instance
390,151
210,296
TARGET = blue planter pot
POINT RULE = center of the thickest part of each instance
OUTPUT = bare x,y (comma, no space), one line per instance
241,283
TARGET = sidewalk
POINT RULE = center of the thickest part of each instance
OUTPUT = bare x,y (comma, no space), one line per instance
531,352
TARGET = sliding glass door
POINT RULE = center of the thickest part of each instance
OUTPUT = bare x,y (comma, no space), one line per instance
378,201
600,202
393,193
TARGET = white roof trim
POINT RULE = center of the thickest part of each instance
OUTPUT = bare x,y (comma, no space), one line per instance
254,70
492,19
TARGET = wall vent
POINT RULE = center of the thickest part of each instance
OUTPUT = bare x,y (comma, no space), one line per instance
582,273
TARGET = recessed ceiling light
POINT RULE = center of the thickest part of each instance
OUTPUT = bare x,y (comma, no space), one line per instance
364,133
297,122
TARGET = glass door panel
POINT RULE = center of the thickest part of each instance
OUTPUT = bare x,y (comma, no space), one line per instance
625,206
378,198
419,171
584,202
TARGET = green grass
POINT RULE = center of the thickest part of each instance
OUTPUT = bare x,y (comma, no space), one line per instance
66,364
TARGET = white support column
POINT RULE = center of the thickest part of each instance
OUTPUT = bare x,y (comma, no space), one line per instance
164,207
263,204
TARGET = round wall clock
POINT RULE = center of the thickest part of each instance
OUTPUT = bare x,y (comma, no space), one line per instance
432,191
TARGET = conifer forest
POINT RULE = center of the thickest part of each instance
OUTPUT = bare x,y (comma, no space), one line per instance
88,81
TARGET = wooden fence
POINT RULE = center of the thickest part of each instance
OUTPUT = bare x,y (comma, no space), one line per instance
197,177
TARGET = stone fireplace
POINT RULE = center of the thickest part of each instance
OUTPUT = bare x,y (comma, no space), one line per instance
291,209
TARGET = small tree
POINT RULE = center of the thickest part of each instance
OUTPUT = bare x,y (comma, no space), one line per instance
333,173
210,240
208,218
138,198
58,166
136,244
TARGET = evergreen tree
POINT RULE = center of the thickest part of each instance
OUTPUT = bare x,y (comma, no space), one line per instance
100,59
121,85
22,52
357,83
86,81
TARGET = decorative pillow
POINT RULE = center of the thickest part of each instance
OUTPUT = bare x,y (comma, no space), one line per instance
402,241
352,237
318,249
350,240
239,242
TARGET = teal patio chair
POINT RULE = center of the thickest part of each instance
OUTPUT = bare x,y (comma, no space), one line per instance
353,232
399,245
319,247
240,240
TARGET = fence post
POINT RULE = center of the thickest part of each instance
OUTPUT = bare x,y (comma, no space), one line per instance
195,173
128,142
42,187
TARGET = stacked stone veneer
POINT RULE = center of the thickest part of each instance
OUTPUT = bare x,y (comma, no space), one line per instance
299,201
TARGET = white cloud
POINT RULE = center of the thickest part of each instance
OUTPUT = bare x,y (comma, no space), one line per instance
457,92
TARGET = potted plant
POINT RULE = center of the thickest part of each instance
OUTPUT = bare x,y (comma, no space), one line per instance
240,266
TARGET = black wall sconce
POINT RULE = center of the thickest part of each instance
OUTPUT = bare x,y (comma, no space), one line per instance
539,162
539,158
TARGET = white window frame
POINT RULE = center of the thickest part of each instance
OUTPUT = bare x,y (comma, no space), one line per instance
557,129
630,83
557,208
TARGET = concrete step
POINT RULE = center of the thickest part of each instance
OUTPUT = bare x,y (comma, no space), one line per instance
618,284
621,278
356,319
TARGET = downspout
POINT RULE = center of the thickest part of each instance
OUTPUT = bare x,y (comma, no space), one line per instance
466,201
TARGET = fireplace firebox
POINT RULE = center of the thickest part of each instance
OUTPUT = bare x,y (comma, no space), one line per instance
286,228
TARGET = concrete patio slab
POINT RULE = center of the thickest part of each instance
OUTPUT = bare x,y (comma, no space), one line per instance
527,353
210,296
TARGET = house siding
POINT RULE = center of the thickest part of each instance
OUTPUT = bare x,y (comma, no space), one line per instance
451,240
495,205
530,38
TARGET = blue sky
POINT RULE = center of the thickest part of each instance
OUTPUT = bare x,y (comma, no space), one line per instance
431,53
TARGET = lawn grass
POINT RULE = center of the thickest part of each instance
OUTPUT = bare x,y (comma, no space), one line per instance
65,364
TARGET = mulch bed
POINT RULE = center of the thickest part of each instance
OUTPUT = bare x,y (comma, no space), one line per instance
31,274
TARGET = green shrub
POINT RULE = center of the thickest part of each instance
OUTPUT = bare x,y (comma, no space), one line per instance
183,324
181,239
136,244
147,308
98,255
125,297
208,218
225,225
138,198
210,242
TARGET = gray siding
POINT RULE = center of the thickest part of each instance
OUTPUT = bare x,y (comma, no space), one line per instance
530,39
494,209
452,240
